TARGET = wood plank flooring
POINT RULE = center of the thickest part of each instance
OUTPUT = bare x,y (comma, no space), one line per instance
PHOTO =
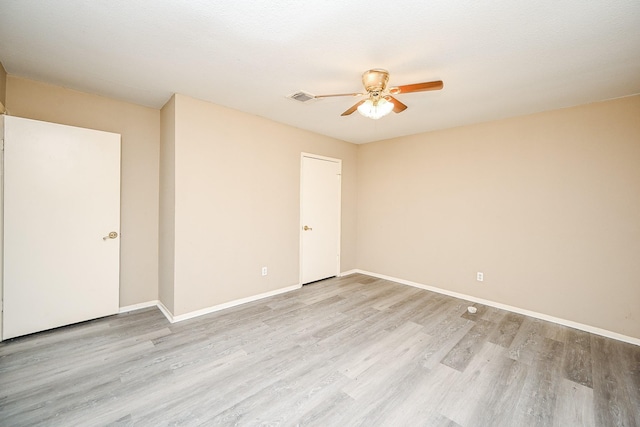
351,351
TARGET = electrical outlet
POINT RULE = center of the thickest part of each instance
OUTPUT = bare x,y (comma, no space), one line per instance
479,276
264,271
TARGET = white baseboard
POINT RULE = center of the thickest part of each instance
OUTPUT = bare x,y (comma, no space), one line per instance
534,314
207,310
348,273
541,316
165,311
138,306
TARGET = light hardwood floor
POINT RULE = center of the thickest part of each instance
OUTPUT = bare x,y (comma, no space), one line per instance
351,351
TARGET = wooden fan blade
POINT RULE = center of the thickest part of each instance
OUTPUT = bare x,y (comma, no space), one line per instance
398,107
352,109
417,87
338,94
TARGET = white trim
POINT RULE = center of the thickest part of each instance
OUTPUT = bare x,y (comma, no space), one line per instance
207,310
348,273
542,316
139,306
319,157
166,312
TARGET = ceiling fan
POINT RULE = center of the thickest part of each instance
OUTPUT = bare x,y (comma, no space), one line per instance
380,100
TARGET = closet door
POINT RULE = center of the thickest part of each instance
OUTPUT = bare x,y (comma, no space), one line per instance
320,216
61,225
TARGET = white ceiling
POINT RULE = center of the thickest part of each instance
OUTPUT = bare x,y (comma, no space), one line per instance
497,58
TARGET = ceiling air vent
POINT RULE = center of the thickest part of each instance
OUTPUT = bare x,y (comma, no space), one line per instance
302,96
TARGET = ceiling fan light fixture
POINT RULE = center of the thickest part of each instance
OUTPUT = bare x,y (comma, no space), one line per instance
375,109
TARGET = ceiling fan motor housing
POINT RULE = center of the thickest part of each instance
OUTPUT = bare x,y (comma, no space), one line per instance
375,81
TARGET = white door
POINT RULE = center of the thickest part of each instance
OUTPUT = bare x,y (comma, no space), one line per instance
61,202
320,218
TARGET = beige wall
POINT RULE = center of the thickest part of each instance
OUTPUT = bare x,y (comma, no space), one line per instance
140,130
166,240
547,206
237,203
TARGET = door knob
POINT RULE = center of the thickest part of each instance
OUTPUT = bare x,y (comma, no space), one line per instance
307,228
111,235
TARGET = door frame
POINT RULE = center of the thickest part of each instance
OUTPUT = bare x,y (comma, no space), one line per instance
300,225
1,226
